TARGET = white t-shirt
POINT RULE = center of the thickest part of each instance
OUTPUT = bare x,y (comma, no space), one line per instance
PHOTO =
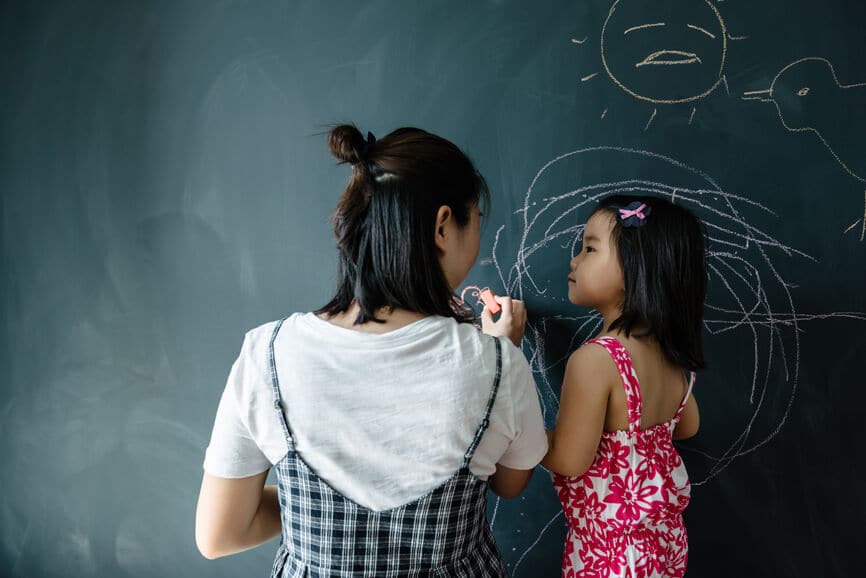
381,418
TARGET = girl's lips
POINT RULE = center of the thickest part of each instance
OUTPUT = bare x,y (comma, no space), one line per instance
570,280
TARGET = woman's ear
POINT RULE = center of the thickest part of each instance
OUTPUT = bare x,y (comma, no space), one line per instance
444,222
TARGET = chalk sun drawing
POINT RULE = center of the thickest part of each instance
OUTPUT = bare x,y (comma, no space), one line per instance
810,99
675,55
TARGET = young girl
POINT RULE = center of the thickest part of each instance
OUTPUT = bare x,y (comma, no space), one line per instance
626,394
385,414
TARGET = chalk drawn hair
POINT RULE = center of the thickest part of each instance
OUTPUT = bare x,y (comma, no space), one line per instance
664,266
385,220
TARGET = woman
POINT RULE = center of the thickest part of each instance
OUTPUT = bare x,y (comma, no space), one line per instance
386,414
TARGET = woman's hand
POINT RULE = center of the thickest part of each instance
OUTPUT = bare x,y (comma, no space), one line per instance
511,322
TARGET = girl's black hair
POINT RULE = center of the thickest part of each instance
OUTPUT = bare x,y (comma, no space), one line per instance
386,218
664,266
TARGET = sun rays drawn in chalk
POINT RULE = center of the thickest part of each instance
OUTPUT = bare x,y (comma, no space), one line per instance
810,99
677,56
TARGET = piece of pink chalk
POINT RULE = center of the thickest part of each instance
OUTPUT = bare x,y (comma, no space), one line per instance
490,301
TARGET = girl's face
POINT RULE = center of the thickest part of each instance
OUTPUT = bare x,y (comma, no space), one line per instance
596,278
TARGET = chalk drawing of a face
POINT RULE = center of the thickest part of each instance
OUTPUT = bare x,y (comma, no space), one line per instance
809,98
750,310
677,55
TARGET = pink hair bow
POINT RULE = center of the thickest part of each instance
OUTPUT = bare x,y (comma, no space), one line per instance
634,214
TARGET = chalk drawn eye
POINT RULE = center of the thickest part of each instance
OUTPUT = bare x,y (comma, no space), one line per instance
702,30
643,26
803,91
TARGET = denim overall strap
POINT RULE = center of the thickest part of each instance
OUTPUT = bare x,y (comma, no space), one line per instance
467,457
275,385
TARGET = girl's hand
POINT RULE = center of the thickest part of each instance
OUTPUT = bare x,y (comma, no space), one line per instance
511,322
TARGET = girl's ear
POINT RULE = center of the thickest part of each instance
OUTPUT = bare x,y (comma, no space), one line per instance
444,219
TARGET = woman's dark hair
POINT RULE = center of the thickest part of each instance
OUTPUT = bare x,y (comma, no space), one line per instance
664,266
385,221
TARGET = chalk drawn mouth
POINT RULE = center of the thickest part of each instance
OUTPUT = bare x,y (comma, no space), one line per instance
669,57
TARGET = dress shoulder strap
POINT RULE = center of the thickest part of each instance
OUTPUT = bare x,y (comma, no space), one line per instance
627,373
275,386
467,457
685,397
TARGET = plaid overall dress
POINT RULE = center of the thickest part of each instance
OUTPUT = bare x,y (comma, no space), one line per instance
324,534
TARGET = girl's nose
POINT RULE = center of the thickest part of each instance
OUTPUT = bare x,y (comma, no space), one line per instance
573,262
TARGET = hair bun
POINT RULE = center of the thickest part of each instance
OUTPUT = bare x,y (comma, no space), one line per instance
346,143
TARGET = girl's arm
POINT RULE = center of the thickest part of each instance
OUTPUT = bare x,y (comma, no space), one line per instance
582,408
234,515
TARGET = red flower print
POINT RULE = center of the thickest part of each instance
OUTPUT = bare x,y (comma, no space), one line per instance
605,560
564,490
632,497
600,467
617,454
653,460
590,507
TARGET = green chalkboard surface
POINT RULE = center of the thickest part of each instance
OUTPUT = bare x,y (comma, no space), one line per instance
165,187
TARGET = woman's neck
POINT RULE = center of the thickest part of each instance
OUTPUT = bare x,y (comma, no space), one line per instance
391,319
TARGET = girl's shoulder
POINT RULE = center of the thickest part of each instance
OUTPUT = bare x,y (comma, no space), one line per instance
599,351
592,362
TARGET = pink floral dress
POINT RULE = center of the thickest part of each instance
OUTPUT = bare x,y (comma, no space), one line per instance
625,513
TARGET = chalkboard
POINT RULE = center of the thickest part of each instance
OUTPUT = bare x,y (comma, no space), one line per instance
165,187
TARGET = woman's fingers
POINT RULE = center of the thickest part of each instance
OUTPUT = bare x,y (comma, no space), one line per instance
511,322
518,322
507,304
487,323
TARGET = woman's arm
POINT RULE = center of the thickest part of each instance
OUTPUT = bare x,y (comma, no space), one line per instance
234,515
582,408
508,482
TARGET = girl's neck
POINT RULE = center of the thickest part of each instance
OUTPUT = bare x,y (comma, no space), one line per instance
610,315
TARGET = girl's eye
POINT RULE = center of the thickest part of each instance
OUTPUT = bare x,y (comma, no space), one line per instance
588,249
